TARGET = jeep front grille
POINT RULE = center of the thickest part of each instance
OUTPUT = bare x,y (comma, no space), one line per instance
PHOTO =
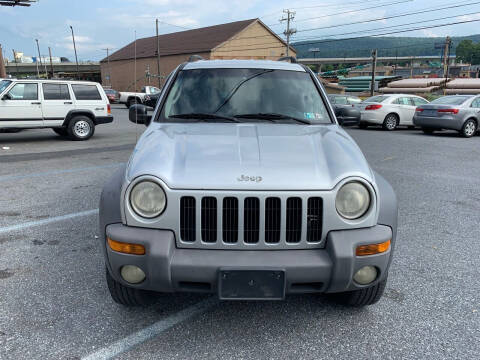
250,221
187,218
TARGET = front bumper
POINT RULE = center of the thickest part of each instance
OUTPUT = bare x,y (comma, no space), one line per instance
171,269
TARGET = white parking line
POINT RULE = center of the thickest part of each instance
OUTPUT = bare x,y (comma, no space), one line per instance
57,172
151,331
46,221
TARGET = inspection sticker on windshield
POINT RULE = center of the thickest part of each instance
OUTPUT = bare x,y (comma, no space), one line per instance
312,116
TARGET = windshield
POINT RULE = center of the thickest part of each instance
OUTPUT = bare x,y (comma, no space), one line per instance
450,100
4,84
378,99
273,95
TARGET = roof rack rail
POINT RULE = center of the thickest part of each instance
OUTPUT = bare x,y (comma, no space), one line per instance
291,59
194,58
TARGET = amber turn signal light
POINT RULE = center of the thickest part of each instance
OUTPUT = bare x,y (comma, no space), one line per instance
372,249
126,248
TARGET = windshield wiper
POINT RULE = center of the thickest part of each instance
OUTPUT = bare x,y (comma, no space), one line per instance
203,116
272,116
239,85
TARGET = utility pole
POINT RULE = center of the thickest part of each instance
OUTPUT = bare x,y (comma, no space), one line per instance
158,58
374,68
108,66
16,64
3,71
39,56
289,31
75,49
51,63
446,56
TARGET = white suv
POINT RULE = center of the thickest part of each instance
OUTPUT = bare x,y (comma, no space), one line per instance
70,108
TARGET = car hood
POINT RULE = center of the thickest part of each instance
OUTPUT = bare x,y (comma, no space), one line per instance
263,156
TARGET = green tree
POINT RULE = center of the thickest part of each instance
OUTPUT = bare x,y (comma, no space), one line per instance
468,52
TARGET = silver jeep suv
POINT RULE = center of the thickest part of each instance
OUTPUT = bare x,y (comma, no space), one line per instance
244,185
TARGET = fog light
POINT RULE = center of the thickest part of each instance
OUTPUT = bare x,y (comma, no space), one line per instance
365,275
132,274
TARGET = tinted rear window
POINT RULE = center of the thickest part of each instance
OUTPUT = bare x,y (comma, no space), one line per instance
86,92
378,99
56,92
450,100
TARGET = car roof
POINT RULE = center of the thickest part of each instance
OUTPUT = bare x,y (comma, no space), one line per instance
54,81
243,64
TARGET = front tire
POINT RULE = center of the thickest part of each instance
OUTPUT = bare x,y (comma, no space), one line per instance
391,122
80,128
469,128
362,297
131,102
127,296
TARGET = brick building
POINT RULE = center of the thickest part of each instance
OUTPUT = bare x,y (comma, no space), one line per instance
249,39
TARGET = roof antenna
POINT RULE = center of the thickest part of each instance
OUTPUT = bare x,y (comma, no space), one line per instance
135,85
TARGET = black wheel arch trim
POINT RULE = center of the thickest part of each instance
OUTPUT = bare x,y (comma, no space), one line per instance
110,206
78,112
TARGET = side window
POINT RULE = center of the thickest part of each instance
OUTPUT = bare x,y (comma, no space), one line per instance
402,101
341,100
86,92
476,103
24,92
55,92
418,101
353,100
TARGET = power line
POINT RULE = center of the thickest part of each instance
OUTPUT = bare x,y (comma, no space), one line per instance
366,36
355,32
317,6
392,16
425,10
353,11
334,4
395,26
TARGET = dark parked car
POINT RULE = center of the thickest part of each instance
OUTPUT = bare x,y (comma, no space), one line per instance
345,110
151,100
112,95
454,112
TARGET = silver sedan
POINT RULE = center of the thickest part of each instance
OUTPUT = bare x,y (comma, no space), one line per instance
389,111
455,112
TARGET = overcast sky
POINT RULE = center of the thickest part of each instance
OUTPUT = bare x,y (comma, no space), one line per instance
99,24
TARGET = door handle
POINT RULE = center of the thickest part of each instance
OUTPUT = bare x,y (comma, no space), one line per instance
68,103
99,109
36,103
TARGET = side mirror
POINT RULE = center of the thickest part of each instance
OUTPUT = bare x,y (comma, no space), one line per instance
137,114
7,97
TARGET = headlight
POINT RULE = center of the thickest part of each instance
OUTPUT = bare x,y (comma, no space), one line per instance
353,200
148,199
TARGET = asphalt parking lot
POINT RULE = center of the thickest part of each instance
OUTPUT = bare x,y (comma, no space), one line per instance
54,303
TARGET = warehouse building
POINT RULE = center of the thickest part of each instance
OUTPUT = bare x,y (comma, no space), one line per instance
249,39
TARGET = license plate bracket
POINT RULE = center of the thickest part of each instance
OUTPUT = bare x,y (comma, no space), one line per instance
251,284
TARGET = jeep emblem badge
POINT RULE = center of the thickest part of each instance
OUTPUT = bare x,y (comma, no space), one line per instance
249,178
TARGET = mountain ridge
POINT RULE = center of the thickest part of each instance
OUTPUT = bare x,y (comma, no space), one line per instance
387,46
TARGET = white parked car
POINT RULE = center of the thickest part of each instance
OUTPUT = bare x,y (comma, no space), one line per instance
389,111
132,98
70,108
